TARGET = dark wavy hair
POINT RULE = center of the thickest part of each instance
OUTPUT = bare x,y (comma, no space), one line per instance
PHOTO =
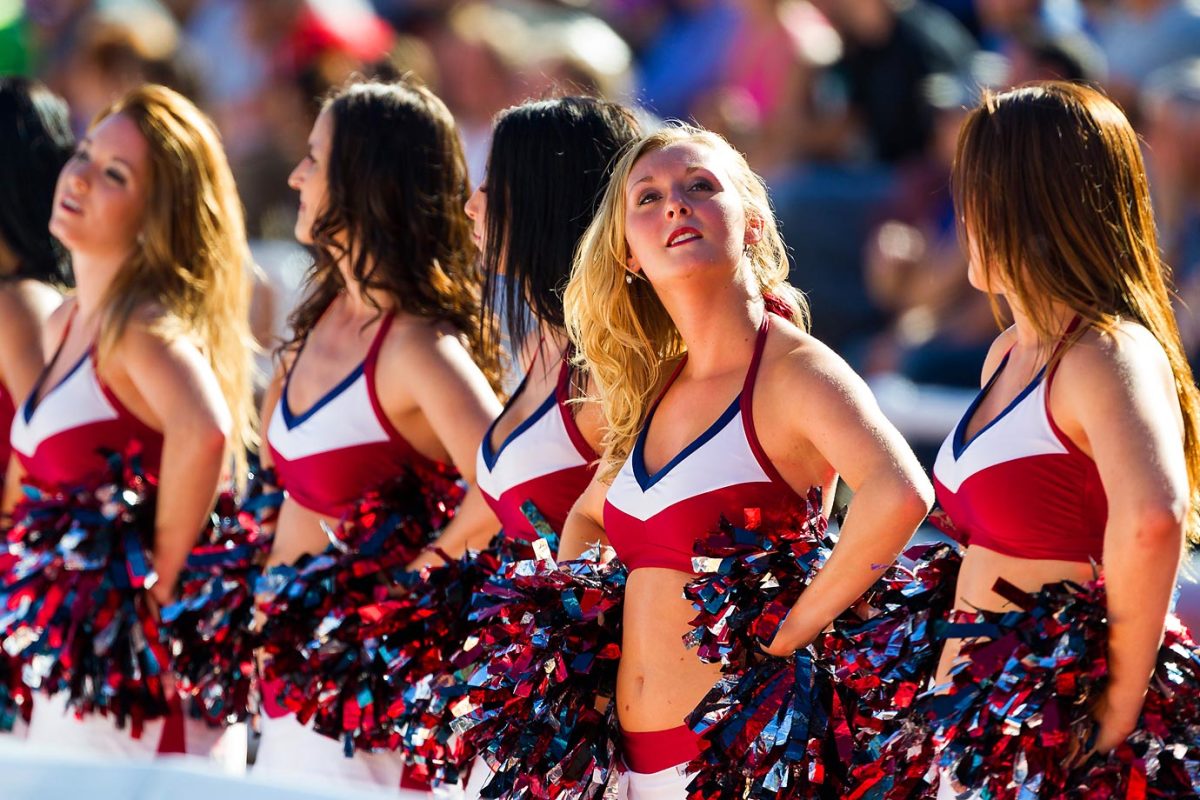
549,164
397,187
35,143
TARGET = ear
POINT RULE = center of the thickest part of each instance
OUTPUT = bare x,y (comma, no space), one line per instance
754,230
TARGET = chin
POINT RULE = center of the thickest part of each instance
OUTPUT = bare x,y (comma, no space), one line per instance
64,236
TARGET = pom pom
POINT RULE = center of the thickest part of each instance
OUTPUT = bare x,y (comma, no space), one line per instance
538,704
322,617
884,652
771,727
432,671
208,627
426,626
75,613
749,578
1017,708
16,701
777,729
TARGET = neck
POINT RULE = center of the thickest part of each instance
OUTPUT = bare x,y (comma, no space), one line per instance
555,338
718,325
93,276
360,300
542,347
1028,337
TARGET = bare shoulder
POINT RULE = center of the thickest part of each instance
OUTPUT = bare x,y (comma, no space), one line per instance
802,370
1124,359
26,301
151,332
423,342
17,310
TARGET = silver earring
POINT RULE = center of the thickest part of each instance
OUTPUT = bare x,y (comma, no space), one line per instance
629,278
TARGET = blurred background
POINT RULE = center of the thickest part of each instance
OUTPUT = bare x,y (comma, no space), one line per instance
849,108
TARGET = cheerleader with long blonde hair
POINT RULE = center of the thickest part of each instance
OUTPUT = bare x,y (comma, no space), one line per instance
719,404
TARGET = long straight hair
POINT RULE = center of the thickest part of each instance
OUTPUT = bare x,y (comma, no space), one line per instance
549,163
193,257
623,332
1049,183
397,188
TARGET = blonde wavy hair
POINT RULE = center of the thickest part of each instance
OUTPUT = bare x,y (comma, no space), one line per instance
622,332
1049,183
192,259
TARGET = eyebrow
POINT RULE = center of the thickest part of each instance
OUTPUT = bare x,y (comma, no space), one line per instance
688,171
88,141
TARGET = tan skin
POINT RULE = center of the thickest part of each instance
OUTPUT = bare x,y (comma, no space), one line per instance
539,358
1114,397
443,415
821,418
25,308
166,383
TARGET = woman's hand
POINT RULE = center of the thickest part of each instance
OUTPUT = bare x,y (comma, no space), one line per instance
1114,724
1112,729
428,558
159,594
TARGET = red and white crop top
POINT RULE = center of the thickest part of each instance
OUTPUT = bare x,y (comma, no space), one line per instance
1020,486
59,439
544,460
344,445
654,520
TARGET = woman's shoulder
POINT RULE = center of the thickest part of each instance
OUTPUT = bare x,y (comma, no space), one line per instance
29,303
410,334
799,368
1127,353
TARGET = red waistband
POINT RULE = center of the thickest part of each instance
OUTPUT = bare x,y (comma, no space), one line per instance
647,752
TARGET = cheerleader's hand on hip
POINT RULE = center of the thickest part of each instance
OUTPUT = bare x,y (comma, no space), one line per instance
1114,724
162,593
792,635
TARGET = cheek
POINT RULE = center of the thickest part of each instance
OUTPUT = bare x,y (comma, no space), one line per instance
127,212
637,236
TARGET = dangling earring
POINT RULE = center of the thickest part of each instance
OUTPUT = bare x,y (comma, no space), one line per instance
629,278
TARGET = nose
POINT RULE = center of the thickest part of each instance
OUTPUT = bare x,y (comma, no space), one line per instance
294,180
75,178
474,203
677,206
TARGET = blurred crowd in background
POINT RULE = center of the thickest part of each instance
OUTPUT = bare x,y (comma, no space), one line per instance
849,108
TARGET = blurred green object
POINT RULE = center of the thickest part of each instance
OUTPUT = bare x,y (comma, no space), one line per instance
14,38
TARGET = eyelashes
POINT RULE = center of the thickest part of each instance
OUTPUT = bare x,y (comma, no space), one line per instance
699,185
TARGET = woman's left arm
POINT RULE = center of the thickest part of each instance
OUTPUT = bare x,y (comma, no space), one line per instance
181,392
455,398
1119,393
833,409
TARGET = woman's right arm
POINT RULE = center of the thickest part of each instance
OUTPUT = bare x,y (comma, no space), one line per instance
24,340
585,524
1118,396
20,346
271,397
12,491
